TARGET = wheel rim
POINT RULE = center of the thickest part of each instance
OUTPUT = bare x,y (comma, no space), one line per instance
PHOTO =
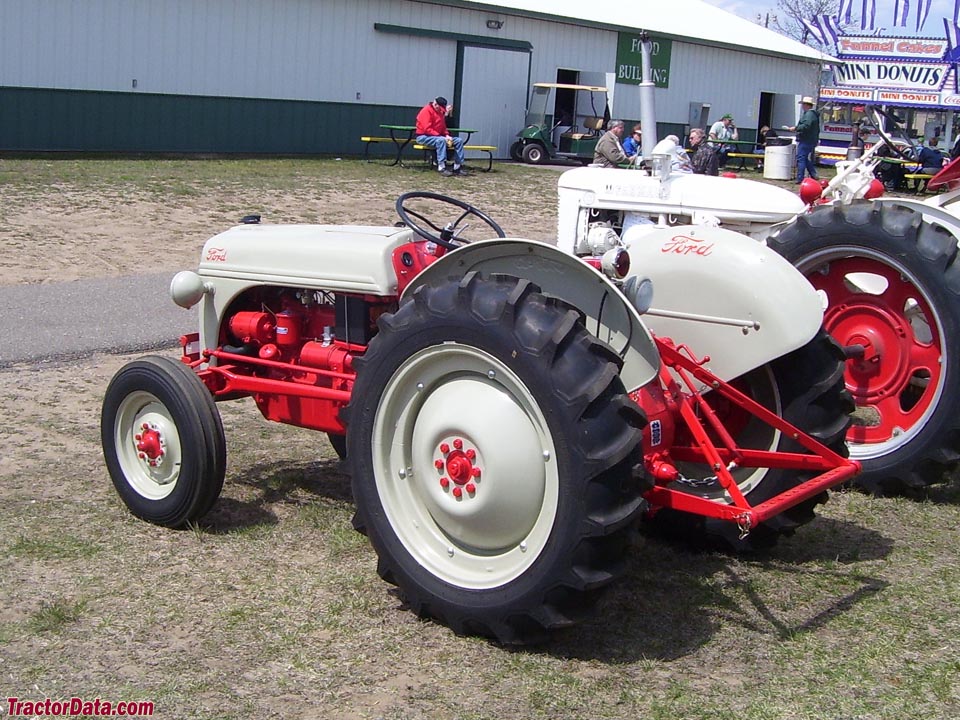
465,466
747,430
536,155
148,445
874,301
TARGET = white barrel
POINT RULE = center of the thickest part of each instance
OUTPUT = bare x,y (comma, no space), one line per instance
778,162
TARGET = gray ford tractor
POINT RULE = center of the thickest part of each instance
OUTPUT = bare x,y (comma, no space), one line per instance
506,414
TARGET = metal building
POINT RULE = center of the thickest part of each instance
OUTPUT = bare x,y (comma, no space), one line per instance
311,76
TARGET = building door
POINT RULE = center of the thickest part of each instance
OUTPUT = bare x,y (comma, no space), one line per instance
494,96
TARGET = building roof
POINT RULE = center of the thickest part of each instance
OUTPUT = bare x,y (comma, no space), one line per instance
685,20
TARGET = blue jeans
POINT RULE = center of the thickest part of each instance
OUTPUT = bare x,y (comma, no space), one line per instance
439,143
805,160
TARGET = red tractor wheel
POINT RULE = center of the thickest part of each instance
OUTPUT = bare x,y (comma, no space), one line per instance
891,288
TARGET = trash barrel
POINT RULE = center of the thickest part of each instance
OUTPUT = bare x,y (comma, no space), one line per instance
778,161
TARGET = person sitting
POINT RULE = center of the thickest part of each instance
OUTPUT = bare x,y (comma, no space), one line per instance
704,160
889,173
432,132
609,152
723,129
631,146
930,158
765,133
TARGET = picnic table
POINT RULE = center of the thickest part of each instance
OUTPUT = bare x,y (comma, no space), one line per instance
403,135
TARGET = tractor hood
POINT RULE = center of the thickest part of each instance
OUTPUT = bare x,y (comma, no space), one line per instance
348,258
732,200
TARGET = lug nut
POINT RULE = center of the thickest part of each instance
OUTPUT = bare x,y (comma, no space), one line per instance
444,448
470,488
475,472
457,492
471,454
458,444
438,464
444,483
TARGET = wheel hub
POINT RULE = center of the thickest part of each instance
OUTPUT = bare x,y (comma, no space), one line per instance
150,444
458,462
885,364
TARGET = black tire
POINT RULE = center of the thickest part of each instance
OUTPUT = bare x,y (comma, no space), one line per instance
185,441
804,387
516,151
518,380
534,154
907,432
339,445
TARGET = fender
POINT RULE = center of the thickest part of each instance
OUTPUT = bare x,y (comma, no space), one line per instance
609,316
725,295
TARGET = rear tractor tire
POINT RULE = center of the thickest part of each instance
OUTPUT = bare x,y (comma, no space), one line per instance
492,446
163,441
892,288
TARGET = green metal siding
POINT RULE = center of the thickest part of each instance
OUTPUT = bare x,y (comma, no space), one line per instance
36,119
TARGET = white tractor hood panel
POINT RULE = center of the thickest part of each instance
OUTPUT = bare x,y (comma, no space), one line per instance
347,258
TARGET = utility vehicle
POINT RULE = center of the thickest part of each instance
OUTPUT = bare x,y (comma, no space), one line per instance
572,136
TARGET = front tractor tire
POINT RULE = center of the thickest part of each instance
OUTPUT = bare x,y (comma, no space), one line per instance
892,290
163,441
534,154
492,447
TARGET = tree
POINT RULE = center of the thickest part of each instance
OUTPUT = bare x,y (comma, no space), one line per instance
791,12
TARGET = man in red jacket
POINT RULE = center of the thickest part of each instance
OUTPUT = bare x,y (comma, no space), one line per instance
432,132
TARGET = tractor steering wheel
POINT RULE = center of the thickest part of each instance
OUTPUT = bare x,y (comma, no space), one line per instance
450,235
879,114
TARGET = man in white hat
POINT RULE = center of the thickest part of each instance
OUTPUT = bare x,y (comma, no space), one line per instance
808,135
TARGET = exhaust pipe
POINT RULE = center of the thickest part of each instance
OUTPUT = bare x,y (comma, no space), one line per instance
648,117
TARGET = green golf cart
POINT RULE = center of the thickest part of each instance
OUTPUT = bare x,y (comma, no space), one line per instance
571,134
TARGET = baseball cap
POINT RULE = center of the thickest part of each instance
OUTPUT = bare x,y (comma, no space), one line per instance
728,116
441,101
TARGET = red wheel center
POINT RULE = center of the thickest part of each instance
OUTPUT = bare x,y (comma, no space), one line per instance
459,467
886,339
148,442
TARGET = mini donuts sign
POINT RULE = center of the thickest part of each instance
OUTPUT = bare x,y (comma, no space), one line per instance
895,70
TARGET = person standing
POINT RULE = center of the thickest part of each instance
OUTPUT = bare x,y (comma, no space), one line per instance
432,132
704,159
609,152
723,129
808,135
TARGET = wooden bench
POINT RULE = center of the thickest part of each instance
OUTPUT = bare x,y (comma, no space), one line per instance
369,140
743,157
430,153
919,180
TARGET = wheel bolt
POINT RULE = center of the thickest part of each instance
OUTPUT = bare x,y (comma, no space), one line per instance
438,464
138,438
457,492
444,448
142,456
470,488
458,444
471,454
475,472
145,426
444,483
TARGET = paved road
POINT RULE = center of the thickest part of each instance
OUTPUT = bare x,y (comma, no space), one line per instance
63,321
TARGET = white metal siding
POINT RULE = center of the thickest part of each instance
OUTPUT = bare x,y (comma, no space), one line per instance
329,50
494,96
